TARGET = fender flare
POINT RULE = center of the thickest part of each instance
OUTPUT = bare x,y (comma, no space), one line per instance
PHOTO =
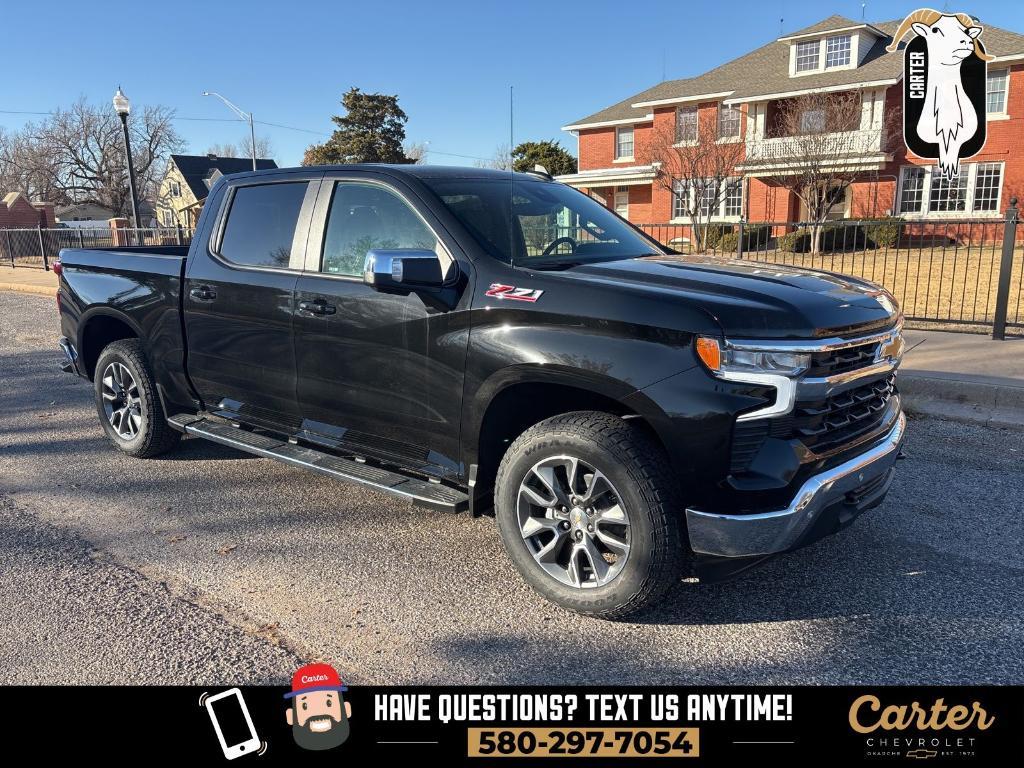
104,311
627,395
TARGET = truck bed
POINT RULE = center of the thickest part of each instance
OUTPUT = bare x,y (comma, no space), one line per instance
135,286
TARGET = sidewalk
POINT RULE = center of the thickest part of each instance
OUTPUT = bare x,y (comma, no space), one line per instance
964,377
958,376
28,280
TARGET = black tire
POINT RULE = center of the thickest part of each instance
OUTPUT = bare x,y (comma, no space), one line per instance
153,435
639,470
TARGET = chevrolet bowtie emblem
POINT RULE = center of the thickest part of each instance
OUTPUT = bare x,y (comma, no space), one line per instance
892,348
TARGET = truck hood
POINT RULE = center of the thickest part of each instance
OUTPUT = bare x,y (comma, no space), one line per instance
756,300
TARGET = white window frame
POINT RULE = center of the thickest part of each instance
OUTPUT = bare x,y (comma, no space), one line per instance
848,50
969,209
621,192
734,108
688,110
800,49
680,187
807,45
1006,93
619,157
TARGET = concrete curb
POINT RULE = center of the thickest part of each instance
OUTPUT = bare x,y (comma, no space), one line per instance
38,290
960,398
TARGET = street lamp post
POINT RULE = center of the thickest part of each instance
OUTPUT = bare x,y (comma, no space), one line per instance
247,116
122,106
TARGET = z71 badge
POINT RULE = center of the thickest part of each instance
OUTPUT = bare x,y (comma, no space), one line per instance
500,291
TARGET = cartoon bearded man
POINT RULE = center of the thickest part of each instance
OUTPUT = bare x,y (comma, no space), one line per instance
318,714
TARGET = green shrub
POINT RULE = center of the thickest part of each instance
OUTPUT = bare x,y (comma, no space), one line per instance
756,236
835,236
714,233
842,236
728,242
797,241
883,233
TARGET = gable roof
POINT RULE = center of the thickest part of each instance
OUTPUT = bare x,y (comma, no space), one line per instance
765,72
197,169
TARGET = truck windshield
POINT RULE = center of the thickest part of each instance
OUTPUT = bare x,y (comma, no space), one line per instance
539,224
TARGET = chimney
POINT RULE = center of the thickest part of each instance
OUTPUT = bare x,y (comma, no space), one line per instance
211,157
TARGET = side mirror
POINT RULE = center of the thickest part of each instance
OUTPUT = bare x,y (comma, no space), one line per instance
402,270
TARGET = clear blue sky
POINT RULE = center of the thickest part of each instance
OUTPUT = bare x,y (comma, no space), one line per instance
451,63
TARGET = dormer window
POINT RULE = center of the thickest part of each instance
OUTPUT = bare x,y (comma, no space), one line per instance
807,55
837,51
823,53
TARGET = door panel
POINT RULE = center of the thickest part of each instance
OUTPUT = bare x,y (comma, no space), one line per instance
239,303
379,373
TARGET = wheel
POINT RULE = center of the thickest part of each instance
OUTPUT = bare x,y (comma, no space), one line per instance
127,402
588,511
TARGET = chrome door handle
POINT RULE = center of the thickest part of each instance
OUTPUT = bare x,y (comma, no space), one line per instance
203,293
318,307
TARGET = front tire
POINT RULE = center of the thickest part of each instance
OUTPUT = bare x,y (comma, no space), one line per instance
588,511
127,402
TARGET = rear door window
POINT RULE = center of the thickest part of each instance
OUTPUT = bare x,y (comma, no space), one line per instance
260,226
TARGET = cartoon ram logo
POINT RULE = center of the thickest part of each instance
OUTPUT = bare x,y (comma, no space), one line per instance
943,87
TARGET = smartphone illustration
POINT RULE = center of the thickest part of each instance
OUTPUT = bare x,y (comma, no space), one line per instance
232,723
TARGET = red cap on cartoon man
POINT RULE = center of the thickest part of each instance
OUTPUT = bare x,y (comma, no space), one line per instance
315,677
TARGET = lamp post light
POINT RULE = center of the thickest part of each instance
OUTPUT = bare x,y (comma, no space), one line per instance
247,116
122,106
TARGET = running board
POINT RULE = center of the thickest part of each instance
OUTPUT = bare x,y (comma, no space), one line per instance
420,492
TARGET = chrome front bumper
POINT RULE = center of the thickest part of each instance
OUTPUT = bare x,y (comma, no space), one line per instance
767,533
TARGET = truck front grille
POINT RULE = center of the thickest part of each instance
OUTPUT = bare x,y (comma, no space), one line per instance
827,425
824,364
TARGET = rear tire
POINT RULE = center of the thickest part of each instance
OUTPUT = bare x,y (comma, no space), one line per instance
616,545
129,408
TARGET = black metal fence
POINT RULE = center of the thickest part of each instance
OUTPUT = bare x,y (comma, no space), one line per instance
38,247
962,274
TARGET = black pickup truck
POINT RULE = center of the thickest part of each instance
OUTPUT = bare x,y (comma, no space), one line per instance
472,339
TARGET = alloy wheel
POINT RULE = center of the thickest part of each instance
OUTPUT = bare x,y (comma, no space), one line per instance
573,522
121,401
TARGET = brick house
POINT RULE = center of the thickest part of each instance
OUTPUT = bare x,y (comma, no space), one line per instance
16,211
187,182
737,101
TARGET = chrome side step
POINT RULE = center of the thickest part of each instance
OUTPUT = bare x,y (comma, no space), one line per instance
420,492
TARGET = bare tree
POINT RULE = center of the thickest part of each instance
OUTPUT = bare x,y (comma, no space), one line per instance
825,150
696,168
501,160
77,155
243,148
416,151
26,167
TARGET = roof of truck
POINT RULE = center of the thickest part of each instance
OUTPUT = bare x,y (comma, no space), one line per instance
417,171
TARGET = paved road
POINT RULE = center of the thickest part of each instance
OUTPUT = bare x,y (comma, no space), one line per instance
208,565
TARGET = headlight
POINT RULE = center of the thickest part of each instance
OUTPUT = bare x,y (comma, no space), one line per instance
721,360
